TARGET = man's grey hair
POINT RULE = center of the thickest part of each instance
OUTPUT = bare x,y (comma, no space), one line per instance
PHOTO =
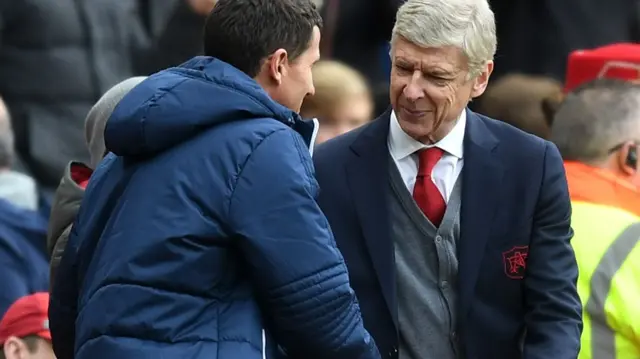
7,151
595,118
466,24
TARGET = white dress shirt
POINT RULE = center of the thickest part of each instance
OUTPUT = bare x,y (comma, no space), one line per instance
403,150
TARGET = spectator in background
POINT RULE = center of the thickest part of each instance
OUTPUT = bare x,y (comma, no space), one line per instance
455,226
523,101
71,189
185,18
15,187
537,36
342,100
57,58
23,259
356,33
24,329
200,232
597,129
615,61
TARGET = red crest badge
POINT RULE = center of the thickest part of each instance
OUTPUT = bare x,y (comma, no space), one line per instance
515,261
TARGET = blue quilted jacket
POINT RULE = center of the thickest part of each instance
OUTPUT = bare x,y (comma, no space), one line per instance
199,236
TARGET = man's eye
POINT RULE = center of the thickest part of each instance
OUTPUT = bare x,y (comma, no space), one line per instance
440,80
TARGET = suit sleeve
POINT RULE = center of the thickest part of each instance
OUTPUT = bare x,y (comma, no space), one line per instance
299,273
553,308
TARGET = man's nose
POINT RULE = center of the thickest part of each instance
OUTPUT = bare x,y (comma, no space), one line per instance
414,90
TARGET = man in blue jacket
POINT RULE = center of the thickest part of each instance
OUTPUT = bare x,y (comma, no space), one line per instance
23,261
199,236
23,229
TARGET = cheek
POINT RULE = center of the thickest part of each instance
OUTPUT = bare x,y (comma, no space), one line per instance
462,95
452,90
442,95
308,79
396,85
301,82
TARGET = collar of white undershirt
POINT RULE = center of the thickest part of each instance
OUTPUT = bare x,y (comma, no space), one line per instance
402,145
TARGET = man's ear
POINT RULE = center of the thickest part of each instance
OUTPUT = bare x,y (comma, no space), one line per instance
480,83
277,65
14,348
623,158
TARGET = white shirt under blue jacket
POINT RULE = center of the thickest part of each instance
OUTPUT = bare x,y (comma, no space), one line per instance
200,236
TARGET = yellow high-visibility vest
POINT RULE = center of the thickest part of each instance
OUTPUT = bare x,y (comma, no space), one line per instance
607,248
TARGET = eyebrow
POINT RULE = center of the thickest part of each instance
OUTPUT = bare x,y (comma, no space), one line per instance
440,72
434,70
404,60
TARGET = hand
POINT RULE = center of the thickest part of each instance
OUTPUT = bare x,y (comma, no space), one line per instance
202,7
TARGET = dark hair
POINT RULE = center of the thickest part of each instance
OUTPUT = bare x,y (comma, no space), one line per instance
244,32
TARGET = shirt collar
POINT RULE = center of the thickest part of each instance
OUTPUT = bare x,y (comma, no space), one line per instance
402,145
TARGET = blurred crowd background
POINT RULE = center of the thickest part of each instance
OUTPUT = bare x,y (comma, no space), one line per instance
555,76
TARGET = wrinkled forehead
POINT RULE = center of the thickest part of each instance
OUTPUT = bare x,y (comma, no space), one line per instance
445,58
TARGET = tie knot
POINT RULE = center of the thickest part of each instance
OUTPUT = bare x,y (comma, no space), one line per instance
428,158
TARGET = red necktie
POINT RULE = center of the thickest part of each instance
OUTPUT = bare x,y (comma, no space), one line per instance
425,192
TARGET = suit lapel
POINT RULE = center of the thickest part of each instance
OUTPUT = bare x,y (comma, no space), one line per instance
481,175
369,180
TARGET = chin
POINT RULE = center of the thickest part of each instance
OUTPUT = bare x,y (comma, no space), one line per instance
417,131
417,128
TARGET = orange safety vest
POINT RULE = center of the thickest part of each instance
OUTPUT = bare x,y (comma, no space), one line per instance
599,186
606,223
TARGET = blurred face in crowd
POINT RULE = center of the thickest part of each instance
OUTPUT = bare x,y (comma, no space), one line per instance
430,88
6,138
346,116
16,348
4,113
289,81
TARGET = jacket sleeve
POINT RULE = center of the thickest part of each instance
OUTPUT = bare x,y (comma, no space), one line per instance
14,284
62,302
554,311
300,275
59,246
